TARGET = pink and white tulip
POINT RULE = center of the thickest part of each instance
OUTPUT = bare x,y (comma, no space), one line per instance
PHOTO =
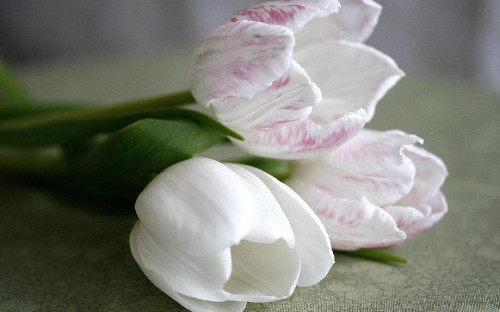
376,190
293,77
213,236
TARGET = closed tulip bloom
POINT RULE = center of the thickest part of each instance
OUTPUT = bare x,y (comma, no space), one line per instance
215,236
376,190
293,77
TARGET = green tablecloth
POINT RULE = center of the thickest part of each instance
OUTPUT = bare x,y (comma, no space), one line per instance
63,254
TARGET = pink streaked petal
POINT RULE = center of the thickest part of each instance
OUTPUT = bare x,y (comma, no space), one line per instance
240,59
414,220
371,150
369,165
288,99
354,22
303,138
357,19
350,76
351,224
291,14
430,176
386,186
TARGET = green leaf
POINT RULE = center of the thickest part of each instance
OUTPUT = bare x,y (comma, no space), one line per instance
123,163
10,89
373,254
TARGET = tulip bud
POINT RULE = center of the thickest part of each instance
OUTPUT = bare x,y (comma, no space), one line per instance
214,236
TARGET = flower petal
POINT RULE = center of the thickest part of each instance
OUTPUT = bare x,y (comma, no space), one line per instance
268,222
263,272
414,220
303,138
159,281
354,22
201,277
288,99
291,14
430,176
240,59
371,150
312,242
388,175
189,207
355,76
351,224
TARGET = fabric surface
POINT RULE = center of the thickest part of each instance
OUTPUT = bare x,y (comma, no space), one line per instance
59,253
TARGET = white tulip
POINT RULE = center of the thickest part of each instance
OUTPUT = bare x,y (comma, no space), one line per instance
215,236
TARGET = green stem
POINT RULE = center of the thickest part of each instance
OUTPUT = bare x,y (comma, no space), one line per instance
165,101
65,126
32,163
36,109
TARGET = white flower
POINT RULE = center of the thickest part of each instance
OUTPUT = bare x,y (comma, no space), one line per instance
293,77
376,190
213,236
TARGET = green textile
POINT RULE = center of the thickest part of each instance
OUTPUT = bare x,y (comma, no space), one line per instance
64,254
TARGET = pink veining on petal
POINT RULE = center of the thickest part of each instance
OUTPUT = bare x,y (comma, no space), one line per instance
325,212
240,59
308,142
269,14
282,82
272,125
376,182
303,138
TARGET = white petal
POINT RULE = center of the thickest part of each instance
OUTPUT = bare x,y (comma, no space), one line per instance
194,304
303,138
263,272
292,14
201,277
265,264
430,176
288,99
312,242
160,281
370,165
240,59
414,220
189,206
268,222
351,224
354,22
350,75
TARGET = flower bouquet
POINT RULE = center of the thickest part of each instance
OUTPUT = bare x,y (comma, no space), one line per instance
288,86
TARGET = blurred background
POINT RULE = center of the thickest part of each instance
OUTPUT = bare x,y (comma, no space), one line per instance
457,38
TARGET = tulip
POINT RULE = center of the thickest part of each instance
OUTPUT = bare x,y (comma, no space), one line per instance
376,190
293,77
214,236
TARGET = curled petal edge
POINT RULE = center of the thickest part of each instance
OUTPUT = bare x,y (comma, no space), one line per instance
304,138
